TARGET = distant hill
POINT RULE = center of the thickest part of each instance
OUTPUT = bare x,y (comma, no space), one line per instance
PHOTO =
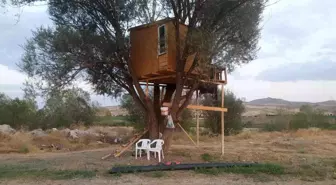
280,102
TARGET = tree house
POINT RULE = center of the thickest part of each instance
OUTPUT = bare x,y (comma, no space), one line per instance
153,59
153,53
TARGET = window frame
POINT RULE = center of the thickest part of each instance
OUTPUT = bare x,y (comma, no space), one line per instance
165,40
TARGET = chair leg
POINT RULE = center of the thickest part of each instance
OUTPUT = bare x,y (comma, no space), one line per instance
159,156
148,155
154,154
136,153
140,152
162,154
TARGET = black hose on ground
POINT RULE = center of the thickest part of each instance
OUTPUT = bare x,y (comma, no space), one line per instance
191,166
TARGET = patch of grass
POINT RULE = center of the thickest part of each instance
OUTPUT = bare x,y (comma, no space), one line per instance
113,121
24,149
302,151
311,172
21,171
157,174
271,169
207,157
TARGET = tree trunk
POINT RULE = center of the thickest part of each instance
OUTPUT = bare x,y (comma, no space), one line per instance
167,137
153,127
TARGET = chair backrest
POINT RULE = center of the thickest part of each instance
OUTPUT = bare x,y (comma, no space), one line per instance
143,142
157,143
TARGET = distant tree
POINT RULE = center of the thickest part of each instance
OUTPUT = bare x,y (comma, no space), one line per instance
17,113
136,114
232,118
308,109
72,106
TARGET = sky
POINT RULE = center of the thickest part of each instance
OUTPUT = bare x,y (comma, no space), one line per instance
296,60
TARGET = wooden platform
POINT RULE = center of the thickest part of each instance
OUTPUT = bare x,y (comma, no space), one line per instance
169,77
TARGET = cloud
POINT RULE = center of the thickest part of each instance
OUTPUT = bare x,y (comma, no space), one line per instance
305,90
16,26
321,71
297,31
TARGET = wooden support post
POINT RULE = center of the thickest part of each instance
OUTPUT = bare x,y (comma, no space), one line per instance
187,134
147,93
222,121
197,120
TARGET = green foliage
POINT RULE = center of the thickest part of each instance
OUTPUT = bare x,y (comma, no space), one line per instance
314,119
136,115
16,112
207,157
306,119
271,169
308,109
279,123
157,174
186,119
274,126
68,107
62,109
232,118
113,121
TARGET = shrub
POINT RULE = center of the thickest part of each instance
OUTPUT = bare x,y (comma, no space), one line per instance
186,119
280,123
62,109
307,120
136,116
232,118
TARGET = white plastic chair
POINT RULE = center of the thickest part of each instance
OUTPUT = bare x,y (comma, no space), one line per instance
142,144
156,147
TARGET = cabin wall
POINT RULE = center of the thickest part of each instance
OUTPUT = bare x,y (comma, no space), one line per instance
172,43
144,50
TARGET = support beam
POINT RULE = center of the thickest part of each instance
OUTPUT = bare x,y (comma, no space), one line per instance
157,78
222,121
200,107
187,134
197,120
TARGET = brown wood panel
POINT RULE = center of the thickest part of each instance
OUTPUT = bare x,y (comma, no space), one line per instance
172,42
144,45
144,49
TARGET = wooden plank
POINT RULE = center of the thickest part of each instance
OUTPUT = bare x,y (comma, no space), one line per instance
132,141
222,121
197,120
225,74
200,107
157,78
187,134
130,144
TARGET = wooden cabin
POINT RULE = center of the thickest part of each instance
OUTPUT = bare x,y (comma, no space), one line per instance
153,52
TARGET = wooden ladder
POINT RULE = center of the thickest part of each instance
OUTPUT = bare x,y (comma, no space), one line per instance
123,148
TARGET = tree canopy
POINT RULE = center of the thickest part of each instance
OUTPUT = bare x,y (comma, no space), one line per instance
90,41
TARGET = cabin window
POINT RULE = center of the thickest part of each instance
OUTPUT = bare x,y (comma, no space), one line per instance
162,39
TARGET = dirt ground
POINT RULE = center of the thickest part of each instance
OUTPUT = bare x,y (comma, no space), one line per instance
308,154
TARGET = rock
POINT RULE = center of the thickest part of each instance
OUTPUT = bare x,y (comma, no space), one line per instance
7,129
54,129
38,133
75,134
65,132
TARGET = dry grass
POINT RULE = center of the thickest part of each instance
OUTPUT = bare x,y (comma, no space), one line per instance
23,142
306,154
